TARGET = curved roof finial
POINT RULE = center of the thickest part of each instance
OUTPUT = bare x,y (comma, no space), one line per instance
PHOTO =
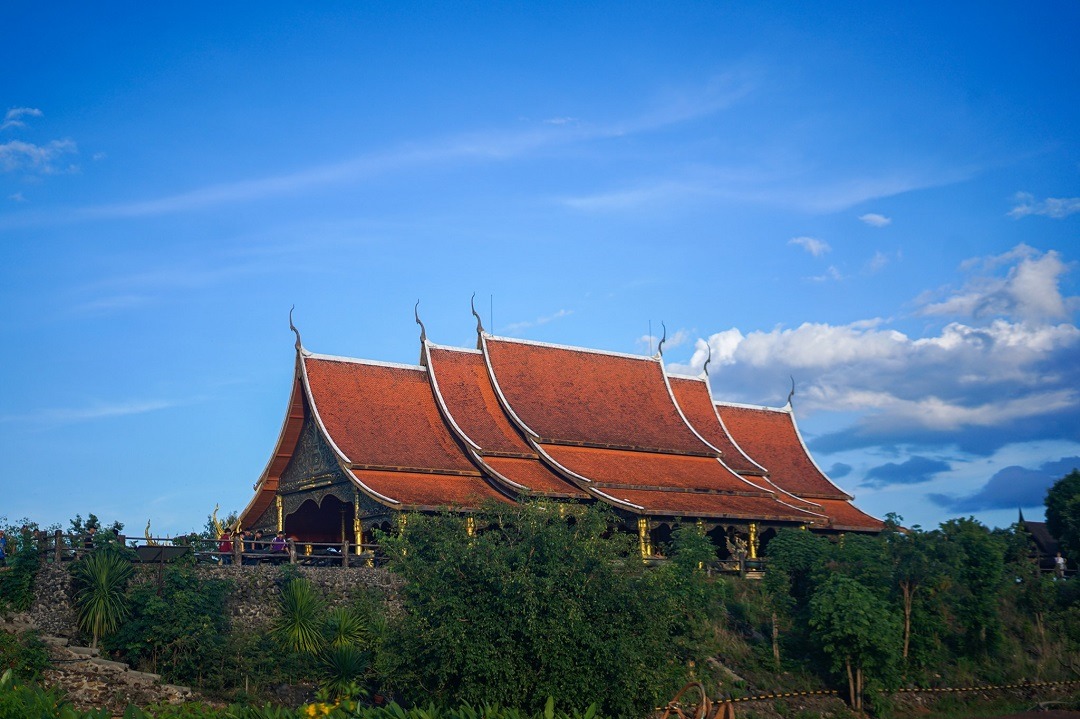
479,323
708,359
792,393
423,330
293,328
660,347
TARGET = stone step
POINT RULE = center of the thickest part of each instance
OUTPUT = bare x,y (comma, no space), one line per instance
84,651
142,677
176,689
109,664
55,641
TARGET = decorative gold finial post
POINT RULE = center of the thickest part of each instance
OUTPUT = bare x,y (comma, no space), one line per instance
753,540
643,537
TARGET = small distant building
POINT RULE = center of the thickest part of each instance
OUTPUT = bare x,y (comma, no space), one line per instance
1046,546
365,441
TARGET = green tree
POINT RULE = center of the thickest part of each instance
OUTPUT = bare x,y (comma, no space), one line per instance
100,580
856,630
540,602
1063,513
794,557
975,562
915,567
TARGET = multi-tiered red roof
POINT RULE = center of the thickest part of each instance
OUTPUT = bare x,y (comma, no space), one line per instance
515,419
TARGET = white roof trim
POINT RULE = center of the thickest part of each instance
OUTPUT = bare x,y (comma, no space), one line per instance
529,433
318,419
802,442
540,450
369,490
502,477
587,350
448,348
442,403
708,388
675,404
375,363
785,409
616,500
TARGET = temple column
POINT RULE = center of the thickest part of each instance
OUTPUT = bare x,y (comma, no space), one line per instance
643,537
280,513
753,543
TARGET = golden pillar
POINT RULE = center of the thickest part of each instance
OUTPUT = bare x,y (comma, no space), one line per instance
358,530
280,513
643,537
470,527
753,540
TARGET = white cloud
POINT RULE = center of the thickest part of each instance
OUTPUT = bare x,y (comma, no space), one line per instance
988,371
19,155
815,247
1056,207
97,411
17,197
11,118
831,275
875,220
877,262
1029,290
518,326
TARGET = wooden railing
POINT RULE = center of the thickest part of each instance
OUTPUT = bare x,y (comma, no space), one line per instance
60,547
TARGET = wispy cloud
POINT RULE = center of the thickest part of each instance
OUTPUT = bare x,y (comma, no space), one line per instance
17,197
814,246
518,326
12,116
42,159
830,275
66,415
875,220
488,146
804,190
1056,207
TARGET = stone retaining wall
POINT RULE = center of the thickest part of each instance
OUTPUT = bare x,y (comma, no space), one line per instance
252,604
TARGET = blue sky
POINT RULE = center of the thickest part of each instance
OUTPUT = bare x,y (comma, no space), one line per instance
882,202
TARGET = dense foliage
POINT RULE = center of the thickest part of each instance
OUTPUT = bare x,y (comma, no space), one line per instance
23,561
1063,513
542,601
179,628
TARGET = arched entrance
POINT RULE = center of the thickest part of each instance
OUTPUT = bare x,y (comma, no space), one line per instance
329,521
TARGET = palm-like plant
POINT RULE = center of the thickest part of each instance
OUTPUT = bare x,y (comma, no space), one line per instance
299,627
345,626
101,578
342,666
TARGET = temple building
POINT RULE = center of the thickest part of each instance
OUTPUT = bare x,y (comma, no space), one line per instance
364,441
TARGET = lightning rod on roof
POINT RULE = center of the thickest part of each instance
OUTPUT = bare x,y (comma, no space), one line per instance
708,359
792,393
423,330
293,328
660,347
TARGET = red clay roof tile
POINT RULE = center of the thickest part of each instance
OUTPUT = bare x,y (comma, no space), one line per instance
650,469
469,398
689,504
846,516
772,439
696,403
383,416
533,475
577,396
415,490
